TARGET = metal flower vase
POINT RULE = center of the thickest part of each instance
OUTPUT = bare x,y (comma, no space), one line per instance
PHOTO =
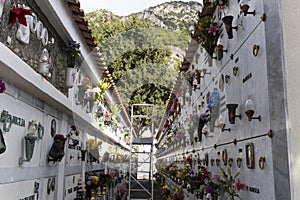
30,139
57,150
90,105
2,143
80,95
44,65
70,76
231,113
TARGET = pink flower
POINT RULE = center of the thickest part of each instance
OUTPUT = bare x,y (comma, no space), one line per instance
2,86
240,186
213,29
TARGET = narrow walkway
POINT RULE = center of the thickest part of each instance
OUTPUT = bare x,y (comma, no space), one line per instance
144,195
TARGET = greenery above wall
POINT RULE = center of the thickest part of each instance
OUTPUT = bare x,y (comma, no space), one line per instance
142,57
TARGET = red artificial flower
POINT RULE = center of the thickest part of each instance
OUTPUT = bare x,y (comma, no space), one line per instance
240,186
106,116
20,14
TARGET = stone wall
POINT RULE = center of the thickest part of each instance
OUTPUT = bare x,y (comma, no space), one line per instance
30,53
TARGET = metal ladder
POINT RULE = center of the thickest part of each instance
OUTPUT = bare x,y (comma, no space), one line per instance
144,158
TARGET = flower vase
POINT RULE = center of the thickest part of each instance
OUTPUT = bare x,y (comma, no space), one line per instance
80,95
93,195
209,60
70,76
44,64
201,195
90,105
214,196
56,152
29,145
44,69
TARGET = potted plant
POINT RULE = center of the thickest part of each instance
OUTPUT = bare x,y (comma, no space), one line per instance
72,56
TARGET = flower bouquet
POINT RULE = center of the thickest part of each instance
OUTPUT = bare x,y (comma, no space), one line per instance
100,90
232,186
93,182
92,185
206,33
73,131
214,186
72,53
201,176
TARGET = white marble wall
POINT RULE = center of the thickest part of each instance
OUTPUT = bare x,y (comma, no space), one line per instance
266,88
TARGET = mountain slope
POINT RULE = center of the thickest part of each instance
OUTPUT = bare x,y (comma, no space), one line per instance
143,51
172,15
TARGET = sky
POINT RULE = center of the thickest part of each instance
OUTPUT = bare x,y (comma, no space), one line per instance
120,7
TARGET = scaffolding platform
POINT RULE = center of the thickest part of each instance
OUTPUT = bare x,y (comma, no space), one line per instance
142,141
141,183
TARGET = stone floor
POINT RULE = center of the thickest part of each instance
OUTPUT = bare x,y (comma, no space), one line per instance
141,195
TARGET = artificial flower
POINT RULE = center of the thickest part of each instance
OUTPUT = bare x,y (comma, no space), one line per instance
240,186
213,29
20,14
2,86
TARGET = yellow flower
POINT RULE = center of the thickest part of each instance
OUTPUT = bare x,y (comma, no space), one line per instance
95,180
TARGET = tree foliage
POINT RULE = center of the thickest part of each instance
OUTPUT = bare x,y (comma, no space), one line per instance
138,56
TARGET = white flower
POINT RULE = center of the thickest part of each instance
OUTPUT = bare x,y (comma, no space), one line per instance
208,195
